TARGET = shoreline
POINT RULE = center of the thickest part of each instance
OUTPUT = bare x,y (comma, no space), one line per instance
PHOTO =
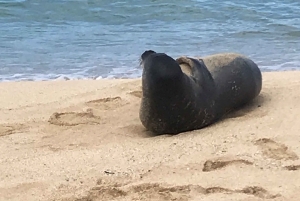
65,78
82,139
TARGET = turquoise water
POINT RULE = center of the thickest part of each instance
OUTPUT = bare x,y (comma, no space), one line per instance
51,39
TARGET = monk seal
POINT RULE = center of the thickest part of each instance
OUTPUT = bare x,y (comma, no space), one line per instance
174,101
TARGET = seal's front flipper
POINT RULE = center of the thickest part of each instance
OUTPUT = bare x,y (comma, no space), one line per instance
198,72
185,60
195,66
185,65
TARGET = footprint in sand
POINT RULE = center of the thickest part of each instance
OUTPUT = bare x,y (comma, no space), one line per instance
6,130
9,129
160,191
257,192
218,164
74,118
275,150
292,167
138,94
106,103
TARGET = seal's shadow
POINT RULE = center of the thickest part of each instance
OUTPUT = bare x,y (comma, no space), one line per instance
246,109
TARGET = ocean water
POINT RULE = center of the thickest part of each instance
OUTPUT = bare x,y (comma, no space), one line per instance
79,39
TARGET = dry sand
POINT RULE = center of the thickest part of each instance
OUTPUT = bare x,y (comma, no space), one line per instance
83,140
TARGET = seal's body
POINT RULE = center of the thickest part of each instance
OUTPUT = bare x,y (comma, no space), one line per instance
175,102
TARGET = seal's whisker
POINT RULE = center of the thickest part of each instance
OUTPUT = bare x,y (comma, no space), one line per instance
140,62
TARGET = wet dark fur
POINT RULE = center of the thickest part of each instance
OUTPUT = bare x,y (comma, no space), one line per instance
174,102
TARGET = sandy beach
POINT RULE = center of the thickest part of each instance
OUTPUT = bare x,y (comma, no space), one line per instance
82,140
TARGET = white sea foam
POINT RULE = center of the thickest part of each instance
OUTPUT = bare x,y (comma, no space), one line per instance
115,73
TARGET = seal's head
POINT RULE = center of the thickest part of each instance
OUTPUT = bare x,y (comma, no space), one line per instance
146,54
160,66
